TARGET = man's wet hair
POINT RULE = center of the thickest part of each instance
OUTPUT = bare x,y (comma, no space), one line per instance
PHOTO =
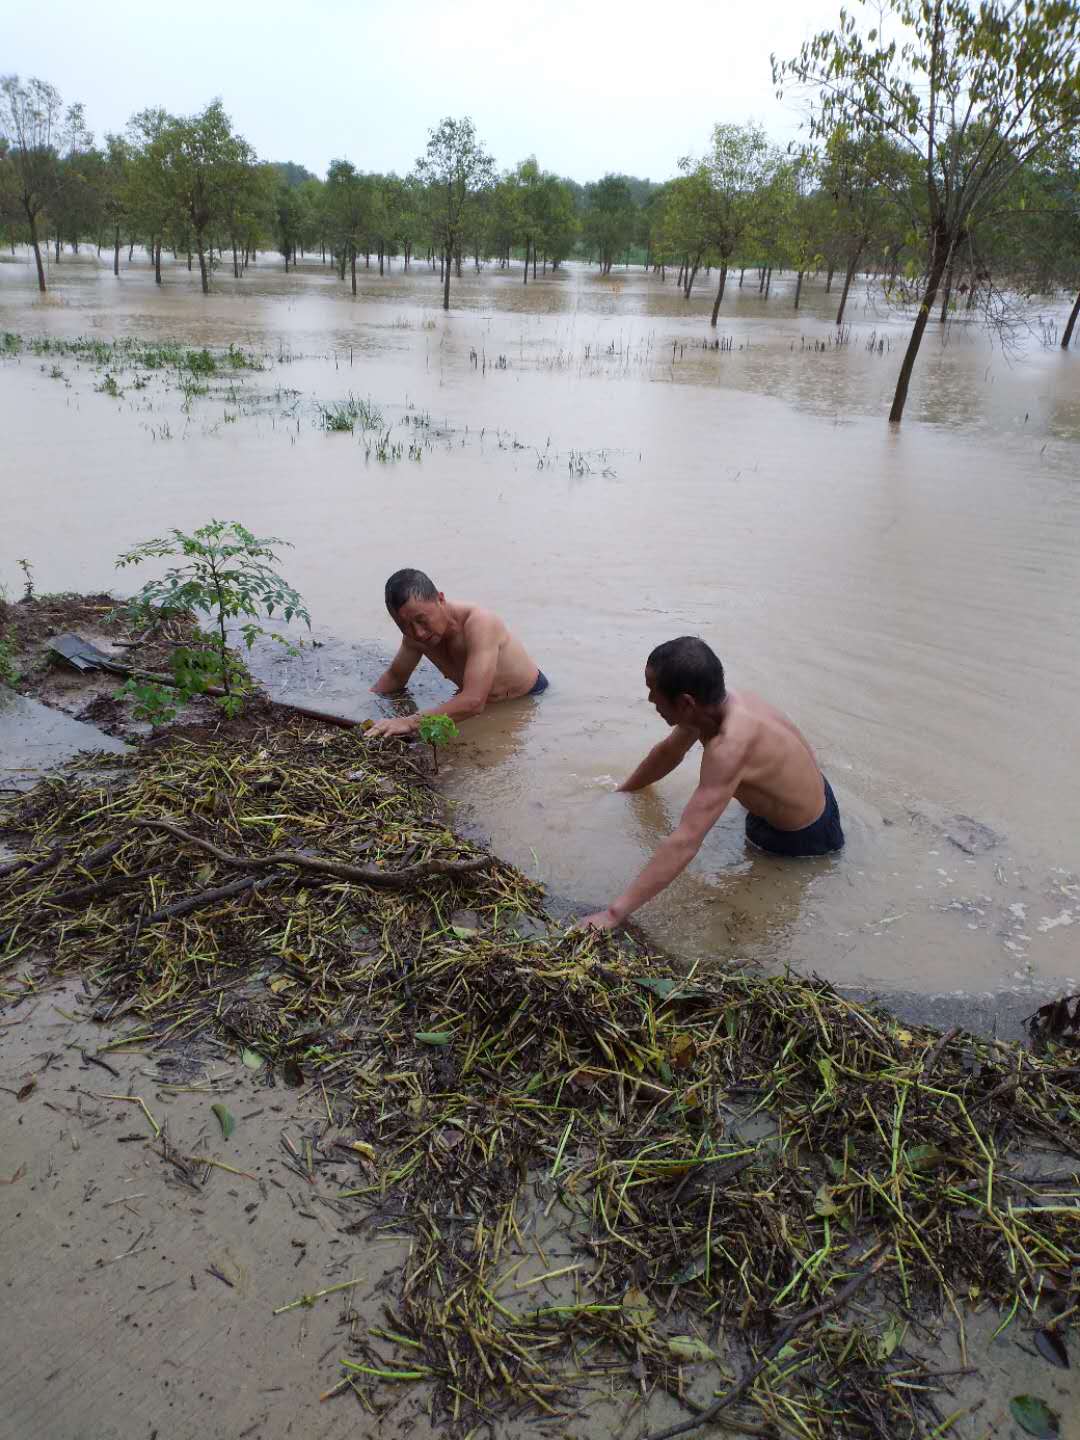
687,666
406,585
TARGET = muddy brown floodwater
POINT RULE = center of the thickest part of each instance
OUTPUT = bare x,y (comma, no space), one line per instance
593,473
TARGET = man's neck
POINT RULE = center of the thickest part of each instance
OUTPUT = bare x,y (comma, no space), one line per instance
709,720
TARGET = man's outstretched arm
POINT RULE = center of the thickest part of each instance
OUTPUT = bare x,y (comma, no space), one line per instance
706,805
661,759
481,663
396,677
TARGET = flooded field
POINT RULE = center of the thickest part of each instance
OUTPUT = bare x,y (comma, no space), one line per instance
570,454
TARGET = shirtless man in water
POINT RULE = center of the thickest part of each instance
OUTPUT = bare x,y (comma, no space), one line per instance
471,646
751,753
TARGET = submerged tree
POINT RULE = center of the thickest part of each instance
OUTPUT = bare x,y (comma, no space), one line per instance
974,91
457,170
610,216
33,123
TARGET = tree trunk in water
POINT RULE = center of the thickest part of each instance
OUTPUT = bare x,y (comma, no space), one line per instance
189,260
457,263
157,263
381,270
944,313
903,380
690,278
286,261
353,260
719,293
446,280
828,280
116,252
534,259
203,272
741,274
847,285
58,249
525,272
235,262
768,281
798,289
37,251
761,282
131,251
1066,339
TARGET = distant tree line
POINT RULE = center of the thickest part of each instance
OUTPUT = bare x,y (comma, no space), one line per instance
944,159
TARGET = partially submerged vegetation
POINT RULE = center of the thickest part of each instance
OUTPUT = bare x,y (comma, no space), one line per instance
610,1170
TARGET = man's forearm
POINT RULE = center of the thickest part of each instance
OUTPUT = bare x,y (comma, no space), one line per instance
657,763
669,861
458,707
387,684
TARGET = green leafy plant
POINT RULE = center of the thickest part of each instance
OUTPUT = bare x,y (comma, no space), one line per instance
28,578
9,667
436,730
226,574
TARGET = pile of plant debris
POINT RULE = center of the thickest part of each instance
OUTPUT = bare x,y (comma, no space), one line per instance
740,1167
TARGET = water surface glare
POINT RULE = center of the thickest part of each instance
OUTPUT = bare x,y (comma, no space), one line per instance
593,473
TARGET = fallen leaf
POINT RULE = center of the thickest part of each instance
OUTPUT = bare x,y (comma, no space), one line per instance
225,1120
362,1148
434,1037
824,1204
283,982
637,1309
925,1157
25,1090
828,1074
689,1272
292,1074
683,1050
252,1059
1051,1347
1034,1416
686,1348
890,1337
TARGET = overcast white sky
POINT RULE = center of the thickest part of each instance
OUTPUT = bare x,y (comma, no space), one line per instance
586,87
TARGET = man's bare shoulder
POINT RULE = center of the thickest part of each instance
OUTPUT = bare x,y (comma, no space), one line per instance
480,623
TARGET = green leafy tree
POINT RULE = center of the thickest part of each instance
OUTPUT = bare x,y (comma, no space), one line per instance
345,199
150,200
225,575
37,131
457,170
115,189
610,217
741,164
972,91
202,158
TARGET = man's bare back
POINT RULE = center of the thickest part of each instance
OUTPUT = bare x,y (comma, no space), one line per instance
750,753
471,646
778,776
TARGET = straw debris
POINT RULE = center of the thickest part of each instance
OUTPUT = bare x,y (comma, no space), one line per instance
610,1172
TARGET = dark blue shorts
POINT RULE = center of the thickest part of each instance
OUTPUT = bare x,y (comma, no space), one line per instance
821,838
542,683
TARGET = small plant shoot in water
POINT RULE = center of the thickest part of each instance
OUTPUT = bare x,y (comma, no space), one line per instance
436,730
226,575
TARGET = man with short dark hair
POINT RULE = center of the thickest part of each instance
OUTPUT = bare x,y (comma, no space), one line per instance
751,753
471,646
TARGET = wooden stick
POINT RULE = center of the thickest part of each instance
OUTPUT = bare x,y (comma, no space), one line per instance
361,874
206,897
